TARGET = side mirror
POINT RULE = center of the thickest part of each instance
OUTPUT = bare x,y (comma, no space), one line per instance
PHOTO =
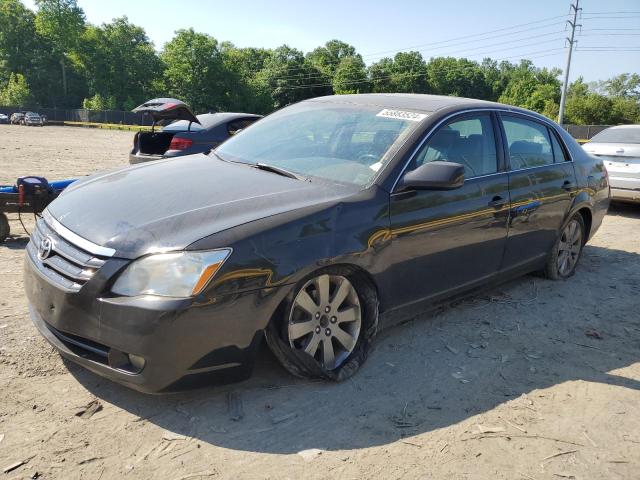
434,176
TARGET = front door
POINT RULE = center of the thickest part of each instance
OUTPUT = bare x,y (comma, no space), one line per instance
542,184
449,239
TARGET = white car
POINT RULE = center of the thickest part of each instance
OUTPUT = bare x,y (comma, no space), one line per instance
619,148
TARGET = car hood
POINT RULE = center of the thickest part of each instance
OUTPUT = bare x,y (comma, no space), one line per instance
169,204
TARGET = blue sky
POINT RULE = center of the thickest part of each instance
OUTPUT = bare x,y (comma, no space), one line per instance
378,28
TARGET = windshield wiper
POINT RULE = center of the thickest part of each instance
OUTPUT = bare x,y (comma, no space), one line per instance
278,170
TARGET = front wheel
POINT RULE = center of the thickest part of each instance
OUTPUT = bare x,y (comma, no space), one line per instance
325,328
566,252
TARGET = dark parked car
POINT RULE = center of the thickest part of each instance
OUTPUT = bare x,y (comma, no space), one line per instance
306,228
4,118
187,133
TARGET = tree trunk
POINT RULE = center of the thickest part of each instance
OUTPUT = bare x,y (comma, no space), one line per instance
64,76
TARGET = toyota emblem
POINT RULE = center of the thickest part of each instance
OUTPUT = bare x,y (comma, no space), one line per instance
45,247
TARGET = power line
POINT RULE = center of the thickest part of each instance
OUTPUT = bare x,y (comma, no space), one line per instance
441,54
474,38
459,69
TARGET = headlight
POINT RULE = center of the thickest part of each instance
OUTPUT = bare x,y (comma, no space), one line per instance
179,274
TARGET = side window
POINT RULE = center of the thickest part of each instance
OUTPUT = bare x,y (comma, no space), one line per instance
469,142
236,125
528,142
558,152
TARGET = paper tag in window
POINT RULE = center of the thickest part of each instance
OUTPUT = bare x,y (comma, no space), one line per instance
402,115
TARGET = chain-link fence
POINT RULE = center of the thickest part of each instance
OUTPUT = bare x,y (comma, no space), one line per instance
584,132
82,115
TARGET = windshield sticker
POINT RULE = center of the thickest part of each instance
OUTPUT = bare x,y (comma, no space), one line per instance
402,115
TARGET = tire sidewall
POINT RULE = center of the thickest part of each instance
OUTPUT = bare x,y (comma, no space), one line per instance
303,365
552,265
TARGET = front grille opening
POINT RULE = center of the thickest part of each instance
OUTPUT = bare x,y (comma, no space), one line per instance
99,353
67,265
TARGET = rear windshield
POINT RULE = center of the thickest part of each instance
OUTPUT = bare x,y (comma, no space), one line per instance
183,126
618,135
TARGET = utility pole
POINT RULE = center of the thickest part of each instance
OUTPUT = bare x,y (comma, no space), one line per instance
565,84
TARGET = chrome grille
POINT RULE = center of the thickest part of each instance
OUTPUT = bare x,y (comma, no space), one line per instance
67,266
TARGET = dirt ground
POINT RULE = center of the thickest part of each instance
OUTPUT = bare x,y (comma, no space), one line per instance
532,380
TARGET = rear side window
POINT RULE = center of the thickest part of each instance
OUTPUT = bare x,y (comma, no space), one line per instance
469,142
558,152
236,125
528,143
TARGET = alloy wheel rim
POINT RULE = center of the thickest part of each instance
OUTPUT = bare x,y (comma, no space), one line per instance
569,248
325,320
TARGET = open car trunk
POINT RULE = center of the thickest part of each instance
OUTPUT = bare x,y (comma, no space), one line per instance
153,143
162,111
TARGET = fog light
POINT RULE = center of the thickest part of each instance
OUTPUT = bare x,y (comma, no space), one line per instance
137,361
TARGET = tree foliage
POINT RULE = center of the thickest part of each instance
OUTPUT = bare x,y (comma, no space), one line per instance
16,92
53,57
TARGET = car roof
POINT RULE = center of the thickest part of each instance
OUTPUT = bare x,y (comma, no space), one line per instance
411,101
208,119
617,127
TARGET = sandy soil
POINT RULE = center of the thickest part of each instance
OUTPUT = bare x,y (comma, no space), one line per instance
508,384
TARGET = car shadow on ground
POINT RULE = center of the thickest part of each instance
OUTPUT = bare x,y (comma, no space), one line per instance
629,210
432,372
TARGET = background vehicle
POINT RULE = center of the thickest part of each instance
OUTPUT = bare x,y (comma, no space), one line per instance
308,228
17,117
4,118
187,133
31,119
619,148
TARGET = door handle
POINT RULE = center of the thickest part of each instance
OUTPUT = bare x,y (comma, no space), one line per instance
497,202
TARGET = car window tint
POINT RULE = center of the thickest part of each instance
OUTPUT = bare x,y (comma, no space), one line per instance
237,125
528,142
558,152
469,142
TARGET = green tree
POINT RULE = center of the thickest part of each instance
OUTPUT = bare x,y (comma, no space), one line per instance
350,76
328,57
289,78
62,22
533,88
194,70
245,91
457,76
624,85
405,73
16,92
119,61
98,102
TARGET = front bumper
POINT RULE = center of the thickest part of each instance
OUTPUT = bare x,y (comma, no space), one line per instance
185,343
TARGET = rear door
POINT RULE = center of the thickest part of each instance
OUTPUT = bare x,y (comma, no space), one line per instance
542,185
447,240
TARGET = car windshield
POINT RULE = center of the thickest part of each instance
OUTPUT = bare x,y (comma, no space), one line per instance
618,135
341,142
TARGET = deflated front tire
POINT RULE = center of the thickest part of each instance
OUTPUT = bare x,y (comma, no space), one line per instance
325,327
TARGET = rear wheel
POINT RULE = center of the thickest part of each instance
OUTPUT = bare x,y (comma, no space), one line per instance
326,326
566,252
5,229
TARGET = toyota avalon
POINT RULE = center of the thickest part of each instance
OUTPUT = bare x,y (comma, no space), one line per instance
317,226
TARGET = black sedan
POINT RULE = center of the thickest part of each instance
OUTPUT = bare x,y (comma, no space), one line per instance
184,133
313,228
